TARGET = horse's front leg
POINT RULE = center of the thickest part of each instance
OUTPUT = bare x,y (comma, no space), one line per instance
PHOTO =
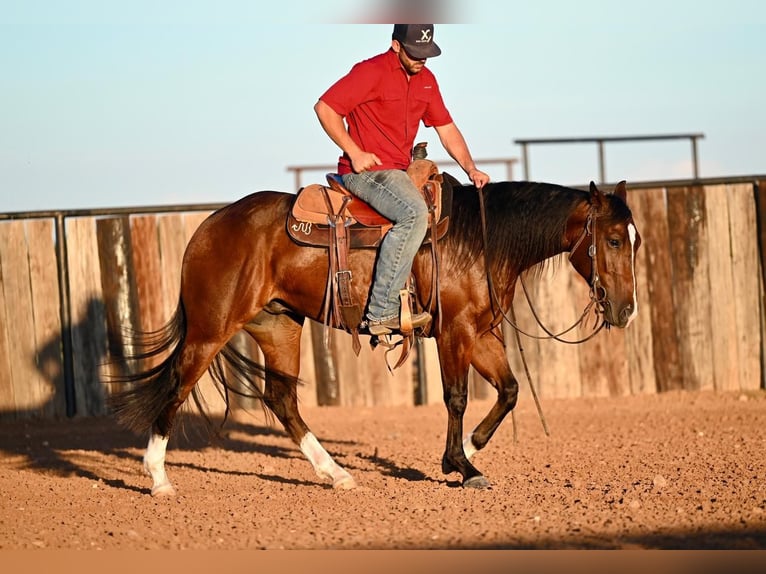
490,362
455,382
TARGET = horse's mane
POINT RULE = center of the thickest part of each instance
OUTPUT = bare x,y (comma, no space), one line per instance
525,224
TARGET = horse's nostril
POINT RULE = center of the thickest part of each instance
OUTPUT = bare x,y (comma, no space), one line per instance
626,312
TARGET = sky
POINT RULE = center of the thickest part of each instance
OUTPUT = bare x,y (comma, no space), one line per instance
141,103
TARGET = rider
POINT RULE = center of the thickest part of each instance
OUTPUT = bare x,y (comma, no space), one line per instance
382,100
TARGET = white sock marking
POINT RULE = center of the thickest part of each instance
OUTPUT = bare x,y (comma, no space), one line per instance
154,463
323,464
468,447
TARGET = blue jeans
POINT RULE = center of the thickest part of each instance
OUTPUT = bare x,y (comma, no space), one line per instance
392,194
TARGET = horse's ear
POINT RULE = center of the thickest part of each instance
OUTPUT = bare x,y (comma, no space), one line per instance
596,197
621,190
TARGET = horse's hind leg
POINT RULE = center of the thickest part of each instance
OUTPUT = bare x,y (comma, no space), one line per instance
455,382
193,361
278,336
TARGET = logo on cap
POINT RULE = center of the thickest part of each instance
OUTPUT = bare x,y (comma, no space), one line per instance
417,40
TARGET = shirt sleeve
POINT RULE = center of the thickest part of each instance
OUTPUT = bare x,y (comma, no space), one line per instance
436,113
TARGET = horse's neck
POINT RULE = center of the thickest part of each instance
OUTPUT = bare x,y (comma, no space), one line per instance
562,213
576,228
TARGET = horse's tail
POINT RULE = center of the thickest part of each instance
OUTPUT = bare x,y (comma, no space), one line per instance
147,393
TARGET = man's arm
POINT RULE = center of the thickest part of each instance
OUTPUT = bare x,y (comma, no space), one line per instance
454,142
333,125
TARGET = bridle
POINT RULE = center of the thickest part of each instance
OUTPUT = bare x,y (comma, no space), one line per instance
597,292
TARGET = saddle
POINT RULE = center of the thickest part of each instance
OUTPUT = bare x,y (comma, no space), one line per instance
317,208
332,217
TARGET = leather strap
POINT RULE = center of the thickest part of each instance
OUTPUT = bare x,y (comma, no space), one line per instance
405,312
345,311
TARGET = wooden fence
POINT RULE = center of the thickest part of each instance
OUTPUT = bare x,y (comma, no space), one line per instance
700,324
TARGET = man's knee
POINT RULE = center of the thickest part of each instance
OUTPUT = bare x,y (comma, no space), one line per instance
421,216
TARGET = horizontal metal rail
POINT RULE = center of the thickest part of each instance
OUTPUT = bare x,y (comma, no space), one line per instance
721,180
601,140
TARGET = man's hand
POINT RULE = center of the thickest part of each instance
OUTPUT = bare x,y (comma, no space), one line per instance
363,161
478,178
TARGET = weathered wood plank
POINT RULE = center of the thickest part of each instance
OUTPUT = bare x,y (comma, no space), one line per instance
20,350
365,380
33,380
760,214
172,242
530,347
722,317
89,338
23,351
604,365
148,271
656,249
433,378
691,285
639,335
559,297
553,365
351,390
7,398
325,371
46,307
307,389
747,287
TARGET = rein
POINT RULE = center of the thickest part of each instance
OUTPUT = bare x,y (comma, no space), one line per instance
596,291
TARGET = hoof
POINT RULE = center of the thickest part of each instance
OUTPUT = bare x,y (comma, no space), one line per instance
345,483
163,490
477,482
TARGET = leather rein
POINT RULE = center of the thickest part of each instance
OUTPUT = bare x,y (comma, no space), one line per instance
597,292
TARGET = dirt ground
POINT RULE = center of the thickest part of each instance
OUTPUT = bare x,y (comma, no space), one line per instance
671,471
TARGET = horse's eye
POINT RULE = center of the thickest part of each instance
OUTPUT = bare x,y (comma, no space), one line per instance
614,243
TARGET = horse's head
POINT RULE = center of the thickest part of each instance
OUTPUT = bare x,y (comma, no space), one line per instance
609,237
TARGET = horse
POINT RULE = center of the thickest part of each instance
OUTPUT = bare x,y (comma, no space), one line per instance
242,271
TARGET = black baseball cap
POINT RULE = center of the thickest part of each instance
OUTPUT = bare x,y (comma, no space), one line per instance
417,40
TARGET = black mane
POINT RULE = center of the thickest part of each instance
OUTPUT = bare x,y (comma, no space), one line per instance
525,224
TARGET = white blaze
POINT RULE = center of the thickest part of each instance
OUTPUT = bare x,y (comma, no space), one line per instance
633,235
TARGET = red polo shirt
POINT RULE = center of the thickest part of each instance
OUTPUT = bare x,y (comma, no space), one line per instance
383,110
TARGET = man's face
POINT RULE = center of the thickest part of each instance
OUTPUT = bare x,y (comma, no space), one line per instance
411,65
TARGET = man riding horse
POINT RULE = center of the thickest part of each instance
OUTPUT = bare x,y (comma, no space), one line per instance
382,100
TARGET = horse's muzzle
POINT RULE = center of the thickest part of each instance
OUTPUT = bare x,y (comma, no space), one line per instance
619,316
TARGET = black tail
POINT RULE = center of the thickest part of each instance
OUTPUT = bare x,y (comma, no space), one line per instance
149,392
144,402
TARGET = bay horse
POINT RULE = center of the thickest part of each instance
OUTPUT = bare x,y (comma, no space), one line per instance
241,271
